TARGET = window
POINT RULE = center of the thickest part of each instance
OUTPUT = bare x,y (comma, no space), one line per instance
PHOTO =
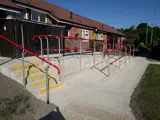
13,14
38,16
35,16
85,35
100,36
42,18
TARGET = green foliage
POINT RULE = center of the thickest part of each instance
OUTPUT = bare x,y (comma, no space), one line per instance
144,48
97,45
90,44
138,35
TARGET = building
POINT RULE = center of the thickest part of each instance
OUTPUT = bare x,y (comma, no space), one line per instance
42,12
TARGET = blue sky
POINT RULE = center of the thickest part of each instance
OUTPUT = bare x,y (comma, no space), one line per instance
116,13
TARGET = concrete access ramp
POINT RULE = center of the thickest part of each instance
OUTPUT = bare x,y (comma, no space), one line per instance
90,95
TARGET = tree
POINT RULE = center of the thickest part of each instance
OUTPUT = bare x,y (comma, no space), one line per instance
141,29
131,34
138,35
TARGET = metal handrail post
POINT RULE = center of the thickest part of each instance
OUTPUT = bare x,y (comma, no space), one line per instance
41,46
94,47
47,84
108,66
59,60
60,75
59,46
133,50
125,54
80,46
47,48
119,60
23,68
103,50
130,53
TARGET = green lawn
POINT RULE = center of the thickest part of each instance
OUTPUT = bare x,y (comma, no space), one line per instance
149,98
17,106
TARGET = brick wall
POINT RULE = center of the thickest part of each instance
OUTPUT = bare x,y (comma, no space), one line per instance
75,30
51,20
75,43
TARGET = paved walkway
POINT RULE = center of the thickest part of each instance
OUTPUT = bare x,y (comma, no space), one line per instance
91,95
154,62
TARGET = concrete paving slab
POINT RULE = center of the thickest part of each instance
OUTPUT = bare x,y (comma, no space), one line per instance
92,88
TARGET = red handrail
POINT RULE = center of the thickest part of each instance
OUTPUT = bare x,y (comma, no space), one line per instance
116,49
111,51
31,53
119,57
60,36
56,49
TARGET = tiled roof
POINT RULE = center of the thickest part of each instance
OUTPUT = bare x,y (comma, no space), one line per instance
64,15
8,4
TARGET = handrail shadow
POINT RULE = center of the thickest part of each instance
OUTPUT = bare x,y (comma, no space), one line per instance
32,65
54,115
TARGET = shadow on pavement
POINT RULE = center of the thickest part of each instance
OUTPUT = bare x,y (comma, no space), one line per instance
143,54
54,115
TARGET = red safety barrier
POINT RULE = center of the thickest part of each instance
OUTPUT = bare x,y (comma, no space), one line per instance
52,49
31,53
71,37
113,50
59,36
115,43
119,57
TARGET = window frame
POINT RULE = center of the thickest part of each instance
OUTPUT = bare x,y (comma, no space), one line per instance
39,16
100,36
15,14
84,31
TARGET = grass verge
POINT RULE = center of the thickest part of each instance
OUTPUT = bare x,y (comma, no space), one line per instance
147,95
16,106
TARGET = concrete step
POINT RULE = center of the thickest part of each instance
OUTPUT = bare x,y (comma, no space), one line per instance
26,65
36,76
43,82
32,70
40,89
43,91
